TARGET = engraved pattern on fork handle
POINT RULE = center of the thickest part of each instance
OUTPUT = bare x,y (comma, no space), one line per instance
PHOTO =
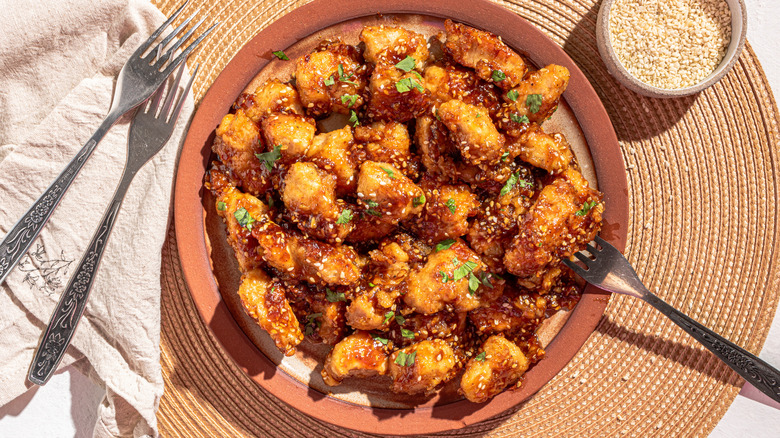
754,370
71,305
19,238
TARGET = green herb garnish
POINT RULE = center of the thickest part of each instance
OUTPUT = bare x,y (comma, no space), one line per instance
389,172
418,201
504,156
380,339
353,118
269,158
464,270
407,64
534,102
498,76
408,334
473,283
519,119
344,78
244,218
344,217
280,54
451,205
585,208
444,244
400,319
512,95
333,296
388,316
480,357
407,84
351,98
330,81
405,360
221,206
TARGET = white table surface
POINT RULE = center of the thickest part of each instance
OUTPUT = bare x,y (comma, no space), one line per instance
66,406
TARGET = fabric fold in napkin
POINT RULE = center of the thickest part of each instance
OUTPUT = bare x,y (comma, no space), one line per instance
58,66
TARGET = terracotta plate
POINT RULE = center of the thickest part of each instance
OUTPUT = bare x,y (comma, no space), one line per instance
212,274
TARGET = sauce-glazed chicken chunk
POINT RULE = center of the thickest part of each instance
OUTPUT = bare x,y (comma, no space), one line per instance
485,53
419,232
500,364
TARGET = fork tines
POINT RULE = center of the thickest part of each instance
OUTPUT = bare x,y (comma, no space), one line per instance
160,60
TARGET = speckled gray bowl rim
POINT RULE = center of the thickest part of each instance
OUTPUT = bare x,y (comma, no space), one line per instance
616,69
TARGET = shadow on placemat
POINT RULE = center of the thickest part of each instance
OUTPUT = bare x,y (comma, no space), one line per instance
698,176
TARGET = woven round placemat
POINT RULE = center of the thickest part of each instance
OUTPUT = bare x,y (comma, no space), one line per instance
702,233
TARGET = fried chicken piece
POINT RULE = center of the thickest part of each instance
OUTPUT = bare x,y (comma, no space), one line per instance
391,44
292,133
446,281
264,300
446,212
332,151
473,132
422,367
357,355
536,99
511,312
396,95
386,142
236,142
450,81
485,53
332,79
437,150
388,193
309,194
331,324
563,219
550,152
271,97
441,325
502,364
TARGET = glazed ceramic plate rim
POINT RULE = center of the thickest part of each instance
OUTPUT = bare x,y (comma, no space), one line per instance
191,238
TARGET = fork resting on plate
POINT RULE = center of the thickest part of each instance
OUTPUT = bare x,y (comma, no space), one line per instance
609,270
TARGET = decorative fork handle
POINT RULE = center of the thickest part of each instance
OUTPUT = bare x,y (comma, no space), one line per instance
19,238
754,370
73,300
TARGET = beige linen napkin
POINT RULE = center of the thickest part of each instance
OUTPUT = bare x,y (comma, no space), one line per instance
58,64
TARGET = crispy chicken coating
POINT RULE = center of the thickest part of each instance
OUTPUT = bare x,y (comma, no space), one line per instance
357,355
446,281
292,133
309,194
332,151
331,324
472,131
446,213
422,367
264,300
391,44
563,219
386,142
436,149
388,193
502,364
396,95
450,81
535,98
332,79
271,97
485,53
550,152
511,312
236,143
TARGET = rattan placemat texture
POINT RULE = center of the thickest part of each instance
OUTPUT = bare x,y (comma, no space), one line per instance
703,234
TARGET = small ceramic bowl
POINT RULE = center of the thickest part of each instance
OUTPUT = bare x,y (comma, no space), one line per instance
616,69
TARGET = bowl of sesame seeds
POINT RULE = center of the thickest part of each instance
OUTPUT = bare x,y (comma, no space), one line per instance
670,48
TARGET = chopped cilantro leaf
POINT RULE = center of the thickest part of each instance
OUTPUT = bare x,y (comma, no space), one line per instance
519,119
351,98
353,118
379,339
344,217
408,334
333,296
504,156
244,218
345,78
372,203
464,270
512,95
374,213
585,208
480,357
473,283
406,64
400,319
498,76
509,184
388,316
444,244
221,206
269,158
389,172
280,54
406,84
451,205
370,284
330,81
405,360
534,102
418,201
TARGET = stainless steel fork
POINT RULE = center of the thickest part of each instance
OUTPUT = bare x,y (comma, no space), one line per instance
148,133
609,270
139,78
